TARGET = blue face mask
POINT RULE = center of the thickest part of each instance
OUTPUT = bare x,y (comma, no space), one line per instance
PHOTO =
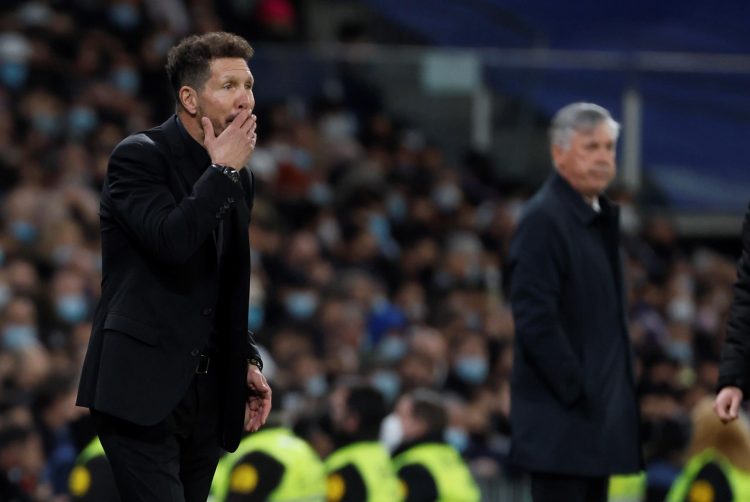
320,194
457,438
380,227
447,197
255,317
396,207
72,308
23,231
681,351
301,305
302,159
472,369
124,16
19,336
392,348
388,383
316,386
5,295
82,120
13,74
62,254
127,80
46,123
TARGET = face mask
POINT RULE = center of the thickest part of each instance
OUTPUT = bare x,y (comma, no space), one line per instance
19,336
681,351
62,254
72,308
302,159
446,197
23,231
46,123
5,295
13,74
472,369
124,16
320,194
388,383
301,305
681,310
392,348
338,127
82,120
457,438
391,432
255,317
379,227
316,386
127,80
396,207
629,220
328,232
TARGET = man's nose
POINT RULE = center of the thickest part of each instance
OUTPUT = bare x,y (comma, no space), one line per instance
247,101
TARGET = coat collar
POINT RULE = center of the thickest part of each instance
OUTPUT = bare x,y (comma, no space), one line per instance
583,211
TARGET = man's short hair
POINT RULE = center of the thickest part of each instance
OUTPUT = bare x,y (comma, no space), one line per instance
579,117
427,406
370,407
189,62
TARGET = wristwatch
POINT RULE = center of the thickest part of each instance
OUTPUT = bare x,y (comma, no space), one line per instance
227,171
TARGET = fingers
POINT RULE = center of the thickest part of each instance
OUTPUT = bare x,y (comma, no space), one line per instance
727,405
256,413
208,129
734,408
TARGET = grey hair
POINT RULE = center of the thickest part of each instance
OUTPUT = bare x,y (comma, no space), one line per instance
579,117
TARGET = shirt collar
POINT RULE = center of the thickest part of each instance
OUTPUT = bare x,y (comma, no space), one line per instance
195,150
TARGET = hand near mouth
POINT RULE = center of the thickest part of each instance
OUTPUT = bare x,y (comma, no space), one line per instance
235,144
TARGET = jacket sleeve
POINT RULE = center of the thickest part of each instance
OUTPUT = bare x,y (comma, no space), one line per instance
735,354
537,267
143,204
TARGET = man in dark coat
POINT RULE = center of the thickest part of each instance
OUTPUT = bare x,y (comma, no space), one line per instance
171,374
734,368
574,412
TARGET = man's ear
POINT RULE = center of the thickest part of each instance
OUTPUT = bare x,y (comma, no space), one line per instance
189,99
557,152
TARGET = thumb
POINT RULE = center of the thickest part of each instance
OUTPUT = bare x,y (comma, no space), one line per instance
208,130
734,408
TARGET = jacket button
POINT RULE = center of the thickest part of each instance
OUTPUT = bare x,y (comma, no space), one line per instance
208,311
195,352
227,205
219,215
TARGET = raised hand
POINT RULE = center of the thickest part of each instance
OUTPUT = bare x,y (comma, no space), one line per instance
235,144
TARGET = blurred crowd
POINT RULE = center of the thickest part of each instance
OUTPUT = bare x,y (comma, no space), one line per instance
373,255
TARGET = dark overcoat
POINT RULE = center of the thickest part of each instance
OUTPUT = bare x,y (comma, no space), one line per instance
573,402
176,268
734,368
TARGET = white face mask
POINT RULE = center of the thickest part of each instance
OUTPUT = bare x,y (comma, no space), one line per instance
391,432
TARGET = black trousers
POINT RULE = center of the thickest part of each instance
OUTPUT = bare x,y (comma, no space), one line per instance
546,487
172,461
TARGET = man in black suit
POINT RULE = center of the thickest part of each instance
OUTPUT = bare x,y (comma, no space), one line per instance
171,373
574,411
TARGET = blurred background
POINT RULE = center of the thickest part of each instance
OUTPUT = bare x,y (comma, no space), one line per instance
398,142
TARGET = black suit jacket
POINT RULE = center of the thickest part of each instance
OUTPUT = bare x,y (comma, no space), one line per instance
574,408
734,368
165,217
